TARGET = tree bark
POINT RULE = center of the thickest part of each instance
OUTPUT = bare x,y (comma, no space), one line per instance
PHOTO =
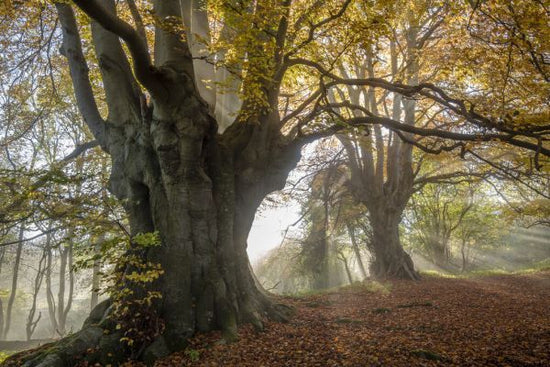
49,292
31,321
390,260
177,176
356,251
344,259
15,278
96,276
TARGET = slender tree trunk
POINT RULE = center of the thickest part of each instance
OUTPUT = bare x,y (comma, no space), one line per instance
96,276
463,253
63,253
15,278
2,254
49,292
1,315
343,258
356,251
31,321
70,294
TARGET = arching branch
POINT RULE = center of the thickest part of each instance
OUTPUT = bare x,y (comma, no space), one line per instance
72,49
143,67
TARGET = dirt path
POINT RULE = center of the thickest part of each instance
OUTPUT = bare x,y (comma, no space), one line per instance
487,321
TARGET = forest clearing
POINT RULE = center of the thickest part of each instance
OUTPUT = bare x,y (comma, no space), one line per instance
479,320
495,320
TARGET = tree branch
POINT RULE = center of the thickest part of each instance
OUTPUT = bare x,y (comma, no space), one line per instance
72,49
143,67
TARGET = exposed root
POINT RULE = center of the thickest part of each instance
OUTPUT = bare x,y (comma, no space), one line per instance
99,341
403,269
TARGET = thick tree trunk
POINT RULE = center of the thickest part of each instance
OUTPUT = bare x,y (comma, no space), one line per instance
390,260
203,210
178,177
439,250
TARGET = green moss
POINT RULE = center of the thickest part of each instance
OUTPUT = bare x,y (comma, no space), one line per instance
5,354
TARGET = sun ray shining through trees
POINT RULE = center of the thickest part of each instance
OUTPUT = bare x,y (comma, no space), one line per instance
140,138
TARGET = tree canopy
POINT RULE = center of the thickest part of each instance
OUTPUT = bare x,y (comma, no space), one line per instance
203,108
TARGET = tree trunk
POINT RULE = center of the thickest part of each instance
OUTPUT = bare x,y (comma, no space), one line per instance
463,254
438,250
344,259
356,251
63,256
96,276
31,321
49,292
390,260
1,315
2,255
197,189
15,278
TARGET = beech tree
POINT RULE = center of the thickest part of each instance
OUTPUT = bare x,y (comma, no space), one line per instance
197,181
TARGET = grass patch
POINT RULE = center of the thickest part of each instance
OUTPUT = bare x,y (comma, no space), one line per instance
437,274
486,273
193,354
536,267
370,286
4,354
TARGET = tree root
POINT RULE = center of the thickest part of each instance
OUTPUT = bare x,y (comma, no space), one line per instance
99,341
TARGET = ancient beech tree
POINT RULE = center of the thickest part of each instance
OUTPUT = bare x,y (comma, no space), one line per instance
198,181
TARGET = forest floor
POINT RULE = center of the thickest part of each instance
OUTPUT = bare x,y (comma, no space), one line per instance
497,320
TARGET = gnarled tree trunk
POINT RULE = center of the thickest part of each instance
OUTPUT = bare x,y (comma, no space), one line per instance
176,175
390,260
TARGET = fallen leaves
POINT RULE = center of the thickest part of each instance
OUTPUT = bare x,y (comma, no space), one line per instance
488,321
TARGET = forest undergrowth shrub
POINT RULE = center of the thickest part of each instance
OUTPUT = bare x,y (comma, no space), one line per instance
133,313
